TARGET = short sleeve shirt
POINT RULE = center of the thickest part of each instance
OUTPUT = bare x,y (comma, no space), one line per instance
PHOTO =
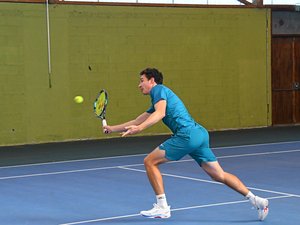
177,117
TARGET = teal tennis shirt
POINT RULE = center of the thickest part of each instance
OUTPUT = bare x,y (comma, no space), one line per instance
177,117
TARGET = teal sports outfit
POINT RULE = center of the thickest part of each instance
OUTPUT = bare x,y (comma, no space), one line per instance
188,136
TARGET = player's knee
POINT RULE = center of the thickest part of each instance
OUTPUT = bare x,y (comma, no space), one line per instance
150,162
219,177
147,162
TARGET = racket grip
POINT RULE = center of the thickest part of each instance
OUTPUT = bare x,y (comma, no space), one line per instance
104,123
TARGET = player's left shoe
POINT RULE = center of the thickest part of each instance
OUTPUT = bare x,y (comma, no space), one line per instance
157,212
262,206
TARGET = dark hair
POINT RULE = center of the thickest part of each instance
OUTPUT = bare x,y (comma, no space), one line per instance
152,72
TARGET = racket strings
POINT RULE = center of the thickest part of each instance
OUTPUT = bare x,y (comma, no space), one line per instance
99,107
100,104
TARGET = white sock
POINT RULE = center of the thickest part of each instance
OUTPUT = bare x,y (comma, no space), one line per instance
162,200
251,197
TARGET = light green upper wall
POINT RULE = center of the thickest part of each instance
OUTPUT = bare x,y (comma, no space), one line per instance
216,59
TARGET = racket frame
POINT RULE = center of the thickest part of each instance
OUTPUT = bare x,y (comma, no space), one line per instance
102,114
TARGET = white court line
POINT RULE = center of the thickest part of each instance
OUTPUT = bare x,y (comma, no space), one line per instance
259,153
212,182
71,161
261,144
63,172
137,155
139,164
173,210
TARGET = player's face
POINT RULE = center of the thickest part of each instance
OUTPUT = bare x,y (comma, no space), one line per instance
146,85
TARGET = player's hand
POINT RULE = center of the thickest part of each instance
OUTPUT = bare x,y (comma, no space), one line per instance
130,130
107,129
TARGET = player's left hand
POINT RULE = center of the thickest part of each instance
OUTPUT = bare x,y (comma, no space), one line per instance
130,130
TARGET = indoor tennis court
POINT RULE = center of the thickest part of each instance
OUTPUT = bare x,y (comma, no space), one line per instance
113,189
70,78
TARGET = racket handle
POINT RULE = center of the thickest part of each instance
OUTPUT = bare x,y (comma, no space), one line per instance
104,123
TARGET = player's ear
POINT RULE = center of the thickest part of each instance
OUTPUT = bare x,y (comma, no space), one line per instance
152,80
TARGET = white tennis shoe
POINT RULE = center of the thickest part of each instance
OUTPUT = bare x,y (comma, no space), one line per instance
262,206
157,212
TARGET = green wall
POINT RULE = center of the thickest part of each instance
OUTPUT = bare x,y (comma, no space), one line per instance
216,59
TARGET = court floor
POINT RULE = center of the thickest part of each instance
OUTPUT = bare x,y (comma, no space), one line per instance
112,190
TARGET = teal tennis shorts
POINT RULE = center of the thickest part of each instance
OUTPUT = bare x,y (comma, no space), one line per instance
193,142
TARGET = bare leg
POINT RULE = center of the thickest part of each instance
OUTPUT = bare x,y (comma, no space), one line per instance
215,171
151,163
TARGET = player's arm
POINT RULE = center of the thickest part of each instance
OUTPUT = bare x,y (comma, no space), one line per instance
156,116
121,127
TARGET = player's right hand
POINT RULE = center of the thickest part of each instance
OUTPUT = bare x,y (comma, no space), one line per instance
107,130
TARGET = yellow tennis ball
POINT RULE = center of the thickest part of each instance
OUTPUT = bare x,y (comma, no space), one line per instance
78,99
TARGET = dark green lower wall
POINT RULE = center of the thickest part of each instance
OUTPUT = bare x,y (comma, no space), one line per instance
216,59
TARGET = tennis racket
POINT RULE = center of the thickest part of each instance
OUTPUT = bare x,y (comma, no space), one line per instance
100,106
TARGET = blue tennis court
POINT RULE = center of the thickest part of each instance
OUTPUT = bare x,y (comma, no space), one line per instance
112,190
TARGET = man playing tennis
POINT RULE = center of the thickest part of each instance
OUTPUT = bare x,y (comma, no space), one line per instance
189,138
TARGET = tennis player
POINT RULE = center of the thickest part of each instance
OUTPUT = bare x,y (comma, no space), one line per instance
189,138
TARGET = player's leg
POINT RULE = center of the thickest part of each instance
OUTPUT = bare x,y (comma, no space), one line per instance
152,162
215,171
173,148
206,158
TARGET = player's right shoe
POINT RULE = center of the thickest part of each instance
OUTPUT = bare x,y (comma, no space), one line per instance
262,206
157,212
